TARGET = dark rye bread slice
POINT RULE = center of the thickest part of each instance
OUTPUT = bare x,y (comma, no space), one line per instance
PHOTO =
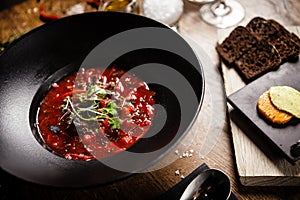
236,44
262,29
277,36
284,31
293,41
257,61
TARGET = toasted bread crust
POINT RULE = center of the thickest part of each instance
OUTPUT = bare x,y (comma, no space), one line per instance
270,112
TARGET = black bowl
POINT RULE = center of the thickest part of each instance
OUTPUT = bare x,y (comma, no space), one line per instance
151,50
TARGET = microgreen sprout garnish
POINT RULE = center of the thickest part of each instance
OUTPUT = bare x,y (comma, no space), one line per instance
90,108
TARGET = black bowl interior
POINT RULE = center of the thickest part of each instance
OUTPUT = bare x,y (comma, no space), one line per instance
48,53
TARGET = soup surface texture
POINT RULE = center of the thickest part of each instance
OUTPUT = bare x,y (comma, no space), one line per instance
95,113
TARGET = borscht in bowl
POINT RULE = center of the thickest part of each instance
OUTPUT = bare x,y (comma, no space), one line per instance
93,98
102,112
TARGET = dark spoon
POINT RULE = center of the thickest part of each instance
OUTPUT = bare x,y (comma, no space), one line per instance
211,184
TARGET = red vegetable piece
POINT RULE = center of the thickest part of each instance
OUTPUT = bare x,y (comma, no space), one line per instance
106,123
126,111
102,104
87,139
127,140
47,17
143,91
72,92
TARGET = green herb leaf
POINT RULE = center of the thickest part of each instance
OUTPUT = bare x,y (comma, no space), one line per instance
115,122
111,108
101,93
111,105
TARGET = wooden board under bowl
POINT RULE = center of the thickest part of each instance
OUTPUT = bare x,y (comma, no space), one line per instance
256,166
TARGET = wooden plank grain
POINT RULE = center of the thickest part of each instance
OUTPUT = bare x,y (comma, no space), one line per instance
255,166
19,19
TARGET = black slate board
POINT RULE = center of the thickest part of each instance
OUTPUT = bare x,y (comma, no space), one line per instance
175,192
245,101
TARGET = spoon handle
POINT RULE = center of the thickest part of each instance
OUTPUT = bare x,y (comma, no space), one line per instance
176,191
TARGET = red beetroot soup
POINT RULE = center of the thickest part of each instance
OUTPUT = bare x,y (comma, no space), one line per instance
95,113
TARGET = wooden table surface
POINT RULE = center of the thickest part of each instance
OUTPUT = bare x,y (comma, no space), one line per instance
17,17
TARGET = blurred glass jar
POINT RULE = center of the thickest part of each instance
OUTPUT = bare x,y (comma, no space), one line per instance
129,6
165,11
